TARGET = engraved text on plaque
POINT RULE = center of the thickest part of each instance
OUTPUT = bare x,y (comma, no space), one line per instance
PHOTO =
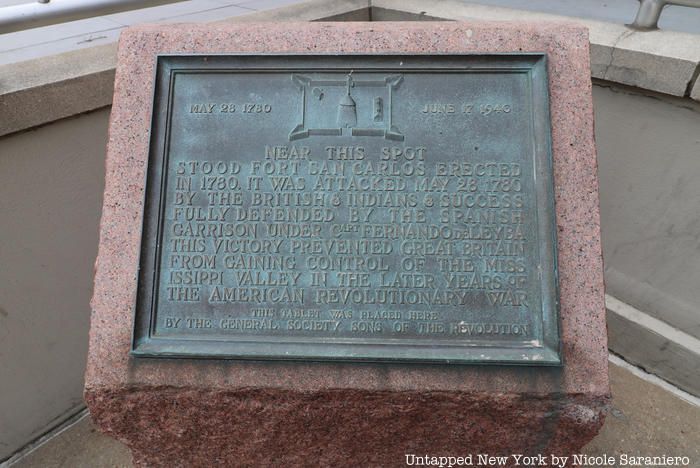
354,208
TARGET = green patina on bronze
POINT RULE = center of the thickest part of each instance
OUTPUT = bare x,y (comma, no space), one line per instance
364,208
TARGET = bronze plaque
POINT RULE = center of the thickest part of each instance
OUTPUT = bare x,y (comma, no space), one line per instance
365,208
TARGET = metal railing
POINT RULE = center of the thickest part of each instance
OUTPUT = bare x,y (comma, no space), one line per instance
46,12
650,11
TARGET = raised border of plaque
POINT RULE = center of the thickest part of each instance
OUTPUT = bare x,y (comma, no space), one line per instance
545,350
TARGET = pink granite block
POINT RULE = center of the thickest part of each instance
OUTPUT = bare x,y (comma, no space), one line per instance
185,412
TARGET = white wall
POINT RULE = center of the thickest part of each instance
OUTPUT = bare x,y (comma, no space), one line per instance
51,182
649,168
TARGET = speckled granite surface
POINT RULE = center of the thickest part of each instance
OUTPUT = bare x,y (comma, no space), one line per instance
228,413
